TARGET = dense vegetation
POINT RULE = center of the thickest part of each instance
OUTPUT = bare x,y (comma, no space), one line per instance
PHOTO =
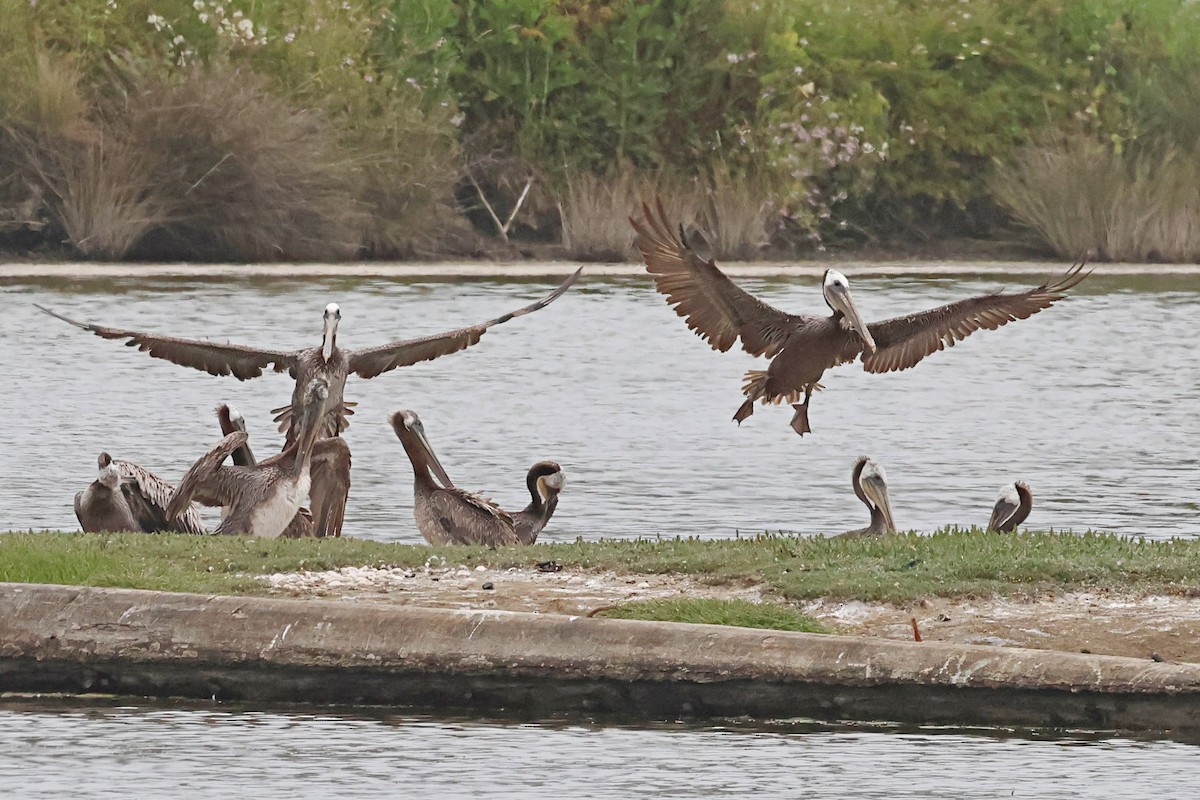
328,129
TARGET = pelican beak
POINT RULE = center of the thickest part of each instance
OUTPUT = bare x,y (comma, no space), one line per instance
876,491
840,299
431,459
332,315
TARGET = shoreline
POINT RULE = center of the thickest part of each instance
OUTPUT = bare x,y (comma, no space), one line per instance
75,640
10,272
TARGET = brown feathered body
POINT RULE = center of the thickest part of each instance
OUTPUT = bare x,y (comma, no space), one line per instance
444,513
128,497
1012,507
802,347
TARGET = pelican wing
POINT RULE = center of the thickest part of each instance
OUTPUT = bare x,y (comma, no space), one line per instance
1003,511
330,485
902,342
469,518
148,496
376,360
207,481
713,306
215,359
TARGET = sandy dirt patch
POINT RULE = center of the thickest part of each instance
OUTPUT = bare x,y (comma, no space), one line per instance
1152,627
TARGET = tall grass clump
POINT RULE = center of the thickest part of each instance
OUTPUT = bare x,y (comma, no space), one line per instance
1082,196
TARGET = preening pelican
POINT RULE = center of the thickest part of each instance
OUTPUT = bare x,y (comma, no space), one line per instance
1012,507
446,514
326,361
870,484
545,480
126,497
261,500
802,347
301,526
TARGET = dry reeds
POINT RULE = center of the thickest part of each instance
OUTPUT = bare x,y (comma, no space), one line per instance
734,213
1082,196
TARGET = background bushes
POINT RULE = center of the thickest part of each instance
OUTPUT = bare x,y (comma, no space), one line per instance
332,129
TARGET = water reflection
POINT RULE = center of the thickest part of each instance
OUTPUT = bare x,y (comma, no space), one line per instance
105,750
1092,402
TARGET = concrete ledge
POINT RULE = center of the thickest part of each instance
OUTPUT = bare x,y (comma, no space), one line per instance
73,639
535,269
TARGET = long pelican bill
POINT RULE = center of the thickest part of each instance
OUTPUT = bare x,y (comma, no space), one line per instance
431,459
329,334
874,487
838,295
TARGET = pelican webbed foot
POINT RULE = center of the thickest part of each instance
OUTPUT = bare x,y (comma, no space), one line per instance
744,411
800,418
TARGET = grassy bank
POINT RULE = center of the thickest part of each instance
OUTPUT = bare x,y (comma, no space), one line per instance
894,568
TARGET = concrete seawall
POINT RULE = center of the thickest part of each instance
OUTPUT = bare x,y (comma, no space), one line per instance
118,641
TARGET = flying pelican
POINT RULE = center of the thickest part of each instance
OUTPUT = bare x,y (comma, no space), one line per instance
802,347
126,497
446,514
262,500
326,361
545,481
232,421
870,484
1012,507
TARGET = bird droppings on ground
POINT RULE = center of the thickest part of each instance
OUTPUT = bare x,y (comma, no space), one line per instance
1140,626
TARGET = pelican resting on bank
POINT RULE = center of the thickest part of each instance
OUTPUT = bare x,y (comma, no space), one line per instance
870,484
802,347
446,514
126,497
261,500
545,481
301,526
1012,507
326,361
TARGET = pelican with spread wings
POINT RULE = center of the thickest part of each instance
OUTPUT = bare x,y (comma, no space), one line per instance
801,346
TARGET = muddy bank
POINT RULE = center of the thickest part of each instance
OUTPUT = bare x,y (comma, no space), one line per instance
76,639
1098,622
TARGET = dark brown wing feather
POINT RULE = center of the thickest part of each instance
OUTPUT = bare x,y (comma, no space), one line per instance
148,497
469,518
330,485
902,342
198,482
215,359
714,306
376,360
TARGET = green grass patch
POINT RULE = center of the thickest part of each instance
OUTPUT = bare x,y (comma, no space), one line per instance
898,568
741,613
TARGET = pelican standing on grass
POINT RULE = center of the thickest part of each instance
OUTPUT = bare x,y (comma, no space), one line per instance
126,497
326,362
1012,507
802,347
262,500
870,484
545,481
444,513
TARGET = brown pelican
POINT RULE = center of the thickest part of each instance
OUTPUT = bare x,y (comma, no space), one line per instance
301,526
802,347
870,484
261,500
1012,507
326,361
446,514
126,497
545,481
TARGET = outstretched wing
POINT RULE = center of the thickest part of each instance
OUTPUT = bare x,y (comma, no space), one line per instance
714,306
148,496
468,518
902,342
376,360
215,359
207,481
330,485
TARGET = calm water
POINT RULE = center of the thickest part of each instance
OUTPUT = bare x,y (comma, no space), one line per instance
107,751
1094,402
